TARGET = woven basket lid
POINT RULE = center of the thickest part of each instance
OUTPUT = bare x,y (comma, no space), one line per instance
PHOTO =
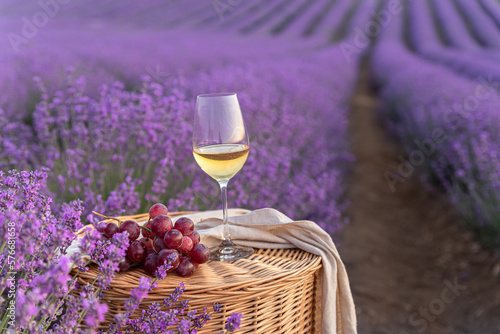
276,290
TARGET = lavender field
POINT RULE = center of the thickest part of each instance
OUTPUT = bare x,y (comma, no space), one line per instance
97,100
86,107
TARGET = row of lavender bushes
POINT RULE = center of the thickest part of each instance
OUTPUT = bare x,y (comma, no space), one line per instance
469,49
449,126
110,54
293,18
125,149
103,42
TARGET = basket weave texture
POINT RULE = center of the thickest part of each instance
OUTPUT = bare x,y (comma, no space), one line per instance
276,290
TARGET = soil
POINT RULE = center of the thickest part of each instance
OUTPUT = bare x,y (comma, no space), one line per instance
413,268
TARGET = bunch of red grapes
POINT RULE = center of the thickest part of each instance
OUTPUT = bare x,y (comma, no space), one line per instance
177,245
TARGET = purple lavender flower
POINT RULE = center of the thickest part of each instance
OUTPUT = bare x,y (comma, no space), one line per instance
95,311
161,272
233,322
137,295
217,307
175,295
184,326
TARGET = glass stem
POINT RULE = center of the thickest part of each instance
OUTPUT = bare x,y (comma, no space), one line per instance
223,193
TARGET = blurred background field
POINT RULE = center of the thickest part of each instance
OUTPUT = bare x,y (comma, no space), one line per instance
378,119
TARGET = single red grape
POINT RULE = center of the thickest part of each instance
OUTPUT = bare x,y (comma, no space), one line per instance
157,209
150,251
146,233
173,239
109,230
186,267
164,256
161,225
159,245
200,253
132,228
136,251
195,237
185,225
150,264
147,241
186,246
124,265
100,227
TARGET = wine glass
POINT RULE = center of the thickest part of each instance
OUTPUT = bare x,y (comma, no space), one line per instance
220,147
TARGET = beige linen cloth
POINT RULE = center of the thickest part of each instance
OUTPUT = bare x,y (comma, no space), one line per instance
269,228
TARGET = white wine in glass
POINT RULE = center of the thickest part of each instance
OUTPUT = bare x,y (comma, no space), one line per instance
221,161
221,147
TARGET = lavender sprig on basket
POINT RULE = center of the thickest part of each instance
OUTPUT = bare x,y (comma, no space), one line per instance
166,317
39,293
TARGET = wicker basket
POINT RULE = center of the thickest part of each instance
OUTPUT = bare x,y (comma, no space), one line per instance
276,290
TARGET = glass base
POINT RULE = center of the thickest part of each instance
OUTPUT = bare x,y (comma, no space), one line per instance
228,252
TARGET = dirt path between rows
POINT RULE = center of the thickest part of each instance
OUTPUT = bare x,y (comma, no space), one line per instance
412,267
